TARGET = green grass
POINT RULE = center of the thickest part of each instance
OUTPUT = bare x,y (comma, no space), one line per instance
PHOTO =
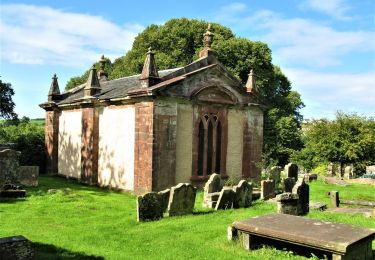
82,222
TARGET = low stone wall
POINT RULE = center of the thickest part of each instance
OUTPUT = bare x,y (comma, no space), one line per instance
17,247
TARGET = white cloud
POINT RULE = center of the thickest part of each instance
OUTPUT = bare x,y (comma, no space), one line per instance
325,93
297,41
335,8
42,35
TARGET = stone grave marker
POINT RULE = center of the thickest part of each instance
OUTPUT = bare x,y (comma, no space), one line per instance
182,199
9,164
275,172
287,203
28,175
288,184
348,172
303,192
291,171
164,198
243,193
267,189
16,247
335,200
149,207
330,170
212,190
226,198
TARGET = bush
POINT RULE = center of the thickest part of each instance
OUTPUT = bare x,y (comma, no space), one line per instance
28,138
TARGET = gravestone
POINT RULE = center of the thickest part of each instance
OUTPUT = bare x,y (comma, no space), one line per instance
9,164
28,175
164,198
212,190
149,207
288,184
17,247
275,172
291,171
310,177
267,189
335,199
181,199
226,198
303,192
287,203
330,170
348,172
243,193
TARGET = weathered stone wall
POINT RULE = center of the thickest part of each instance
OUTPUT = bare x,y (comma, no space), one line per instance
51,141
252,143
116,147
164,152
69,143
184,143
235,143
143,147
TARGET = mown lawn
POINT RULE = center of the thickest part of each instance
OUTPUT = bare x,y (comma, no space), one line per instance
82,222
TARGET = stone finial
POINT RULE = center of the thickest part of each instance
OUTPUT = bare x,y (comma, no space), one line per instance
149,75
207,41
54,91
251,82
102,74
92,85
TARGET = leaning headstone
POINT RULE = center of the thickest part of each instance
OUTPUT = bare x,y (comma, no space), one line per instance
9,164
243,193
225,200
288,184
149,207
275,172
181,199
164,198
287,203
291,171
303,192
212,190
335,199
267,189
28,175
17,247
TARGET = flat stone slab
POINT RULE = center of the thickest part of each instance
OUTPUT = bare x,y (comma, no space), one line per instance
367,212
334,238
317,205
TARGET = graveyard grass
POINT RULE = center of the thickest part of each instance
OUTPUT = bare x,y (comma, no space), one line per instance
82,222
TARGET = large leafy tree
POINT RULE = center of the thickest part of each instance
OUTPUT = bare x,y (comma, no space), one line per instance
178,42
6,103
349,138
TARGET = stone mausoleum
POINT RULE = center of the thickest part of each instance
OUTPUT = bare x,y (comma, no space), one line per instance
150,131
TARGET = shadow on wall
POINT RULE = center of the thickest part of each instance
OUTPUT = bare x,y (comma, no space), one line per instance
69,154
45,251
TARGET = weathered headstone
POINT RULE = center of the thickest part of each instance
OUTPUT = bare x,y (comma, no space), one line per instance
212,190
9,164
287,203
225,200
310,177
348,172
288,184
335,199
164,198
181,199
330,170
243,193
267,189
149,207
17,247
303,192
291,171
275,172
28,175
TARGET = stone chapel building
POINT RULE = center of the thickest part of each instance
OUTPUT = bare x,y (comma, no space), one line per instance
150,131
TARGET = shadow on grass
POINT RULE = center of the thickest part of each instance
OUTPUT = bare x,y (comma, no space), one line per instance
198,212
11,200
47,252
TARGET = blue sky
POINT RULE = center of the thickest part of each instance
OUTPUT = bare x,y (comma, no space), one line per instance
325,47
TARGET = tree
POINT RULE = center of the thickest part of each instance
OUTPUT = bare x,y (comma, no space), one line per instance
348,139
178,42
6,103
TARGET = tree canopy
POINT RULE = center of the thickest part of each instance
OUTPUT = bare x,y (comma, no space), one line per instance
178,42
6,103
349,138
